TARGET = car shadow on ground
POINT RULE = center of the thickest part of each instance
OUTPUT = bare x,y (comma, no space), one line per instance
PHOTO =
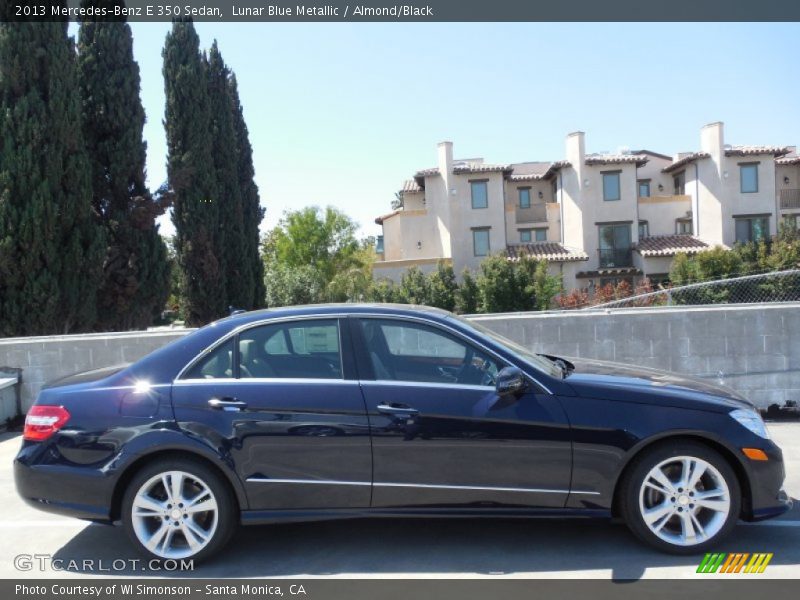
442,548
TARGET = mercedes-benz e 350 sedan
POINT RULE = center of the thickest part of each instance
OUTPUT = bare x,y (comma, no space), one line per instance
324,412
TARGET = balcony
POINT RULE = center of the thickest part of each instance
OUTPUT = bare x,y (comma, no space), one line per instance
535,213
615,258
790,198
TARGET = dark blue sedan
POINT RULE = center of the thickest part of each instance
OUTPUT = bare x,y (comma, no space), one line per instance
324,412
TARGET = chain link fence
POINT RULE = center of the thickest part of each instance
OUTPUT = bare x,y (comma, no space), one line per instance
776,286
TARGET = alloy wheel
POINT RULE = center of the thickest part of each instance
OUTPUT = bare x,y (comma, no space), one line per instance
174,514
684,500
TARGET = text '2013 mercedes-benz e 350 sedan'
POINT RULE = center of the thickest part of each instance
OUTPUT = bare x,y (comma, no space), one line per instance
323,412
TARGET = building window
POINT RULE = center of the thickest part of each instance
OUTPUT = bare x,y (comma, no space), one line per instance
379,244
554,187
480,242
748,178
684,227
752,229
615,246
792,221
480,194
679,183
644,188
525,235
611,189
644,229
524,197
541,234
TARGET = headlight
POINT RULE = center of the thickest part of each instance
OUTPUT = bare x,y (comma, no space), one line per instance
751,420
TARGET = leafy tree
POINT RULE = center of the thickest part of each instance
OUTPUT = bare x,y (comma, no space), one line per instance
545,287
324,240
252,212
442,286
196,213
51,247
414,287
468,294
288,286
353,284
498,285
136,272
383,290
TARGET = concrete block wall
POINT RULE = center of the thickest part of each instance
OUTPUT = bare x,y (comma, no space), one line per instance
46,358
754,349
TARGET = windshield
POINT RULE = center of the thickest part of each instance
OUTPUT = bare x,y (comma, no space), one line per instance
537,361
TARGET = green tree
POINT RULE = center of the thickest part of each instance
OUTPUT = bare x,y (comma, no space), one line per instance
290,285
136,273
196,211
252,212
498,285
468,294
353,284
414,287
238,276
322,239
443,286
383,291
51,246
545,287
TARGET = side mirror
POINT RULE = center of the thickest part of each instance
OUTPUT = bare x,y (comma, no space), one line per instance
510,380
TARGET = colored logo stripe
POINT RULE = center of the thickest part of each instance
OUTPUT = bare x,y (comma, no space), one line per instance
736,562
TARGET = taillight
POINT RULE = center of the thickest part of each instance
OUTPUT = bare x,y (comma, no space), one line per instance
43,421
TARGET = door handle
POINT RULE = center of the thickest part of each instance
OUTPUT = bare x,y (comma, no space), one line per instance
397,409
227,404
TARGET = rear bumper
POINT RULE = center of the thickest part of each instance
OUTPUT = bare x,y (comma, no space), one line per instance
81,493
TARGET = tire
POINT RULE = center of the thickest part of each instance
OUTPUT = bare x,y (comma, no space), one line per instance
676,514
200,525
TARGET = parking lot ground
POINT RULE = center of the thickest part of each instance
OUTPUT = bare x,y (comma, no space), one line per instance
401,548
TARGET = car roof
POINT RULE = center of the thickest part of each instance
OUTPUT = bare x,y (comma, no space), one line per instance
339,308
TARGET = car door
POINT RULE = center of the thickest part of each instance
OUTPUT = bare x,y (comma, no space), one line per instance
441,437
282,401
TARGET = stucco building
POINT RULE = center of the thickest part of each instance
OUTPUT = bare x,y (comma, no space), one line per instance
596,218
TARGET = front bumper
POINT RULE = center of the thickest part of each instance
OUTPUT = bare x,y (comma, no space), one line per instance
767,497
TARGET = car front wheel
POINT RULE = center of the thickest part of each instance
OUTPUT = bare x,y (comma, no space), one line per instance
178,509
681,497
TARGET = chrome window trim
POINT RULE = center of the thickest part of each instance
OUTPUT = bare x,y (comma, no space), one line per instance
303,380
344,315
449,386
421,485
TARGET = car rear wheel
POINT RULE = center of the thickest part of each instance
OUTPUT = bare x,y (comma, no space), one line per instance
178,509
681,497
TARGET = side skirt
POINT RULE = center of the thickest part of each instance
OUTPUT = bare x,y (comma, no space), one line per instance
260,517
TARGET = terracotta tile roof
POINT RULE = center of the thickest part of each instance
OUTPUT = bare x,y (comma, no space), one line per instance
651,153
754,150
616,159
466,167
691,157
551,251
608,272
669,245
791,159
533,171
410,186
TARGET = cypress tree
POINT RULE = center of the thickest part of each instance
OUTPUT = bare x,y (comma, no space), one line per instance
136,274
251,203
190,167
238,275
51,246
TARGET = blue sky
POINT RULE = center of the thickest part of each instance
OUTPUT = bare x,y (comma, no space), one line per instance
341,114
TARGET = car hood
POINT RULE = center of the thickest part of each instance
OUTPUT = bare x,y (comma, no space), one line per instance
602,379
